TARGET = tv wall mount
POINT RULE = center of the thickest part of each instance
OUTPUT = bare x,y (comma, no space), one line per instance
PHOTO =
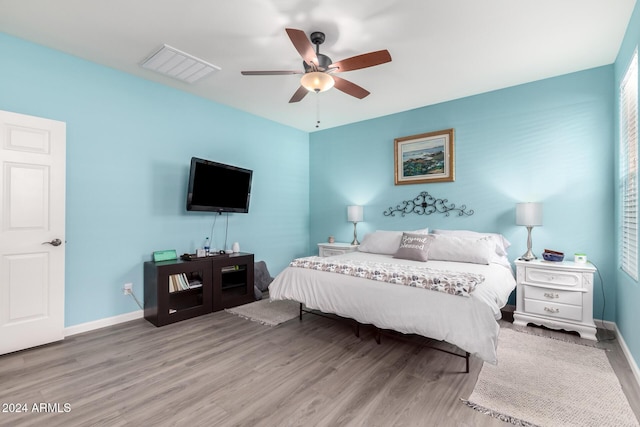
425,204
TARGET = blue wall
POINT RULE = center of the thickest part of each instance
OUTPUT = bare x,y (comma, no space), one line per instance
627,312
548,141
129,144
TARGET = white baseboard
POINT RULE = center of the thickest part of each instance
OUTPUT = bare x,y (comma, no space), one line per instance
102,323
612,326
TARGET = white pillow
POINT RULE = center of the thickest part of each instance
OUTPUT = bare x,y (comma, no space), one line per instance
502,244
462,249
381,242
384,242
421,231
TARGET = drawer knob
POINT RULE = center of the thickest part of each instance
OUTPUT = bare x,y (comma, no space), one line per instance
551,295
552,310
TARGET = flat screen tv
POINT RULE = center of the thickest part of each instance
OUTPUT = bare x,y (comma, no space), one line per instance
216,187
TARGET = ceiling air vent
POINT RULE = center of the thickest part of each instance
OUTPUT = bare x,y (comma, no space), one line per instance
179,65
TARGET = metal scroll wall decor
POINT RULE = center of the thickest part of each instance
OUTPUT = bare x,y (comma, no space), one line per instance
425,204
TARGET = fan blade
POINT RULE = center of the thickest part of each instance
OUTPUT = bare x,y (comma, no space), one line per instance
303,46
268,73
300,93
350,88
362,61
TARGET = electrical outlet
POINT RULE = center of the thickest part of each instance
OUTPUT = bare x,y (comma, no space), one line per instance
127,288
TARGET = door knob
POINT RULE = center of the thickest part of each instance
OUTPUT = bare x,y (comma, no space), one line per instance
54,242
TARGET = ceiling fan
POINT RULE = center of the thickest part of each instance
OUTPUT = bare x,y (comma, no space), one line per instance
319,70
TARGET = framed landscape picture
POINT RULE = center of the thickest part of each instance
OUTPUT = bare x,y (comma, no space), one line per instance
425,158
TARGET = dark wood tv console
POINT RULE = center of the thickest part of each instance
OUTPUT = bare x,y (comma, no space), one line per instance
177,290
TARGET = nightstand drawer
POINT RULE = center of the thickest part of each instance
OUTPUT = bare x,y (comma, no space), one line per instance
553,277
551,309
552,295
331,249
332,252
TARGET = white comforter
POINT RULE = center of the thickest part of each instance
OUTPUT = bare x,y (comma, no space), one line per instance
467,322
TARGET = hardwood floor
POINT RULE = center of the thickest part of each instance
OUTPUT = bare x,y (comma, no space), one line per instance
222,370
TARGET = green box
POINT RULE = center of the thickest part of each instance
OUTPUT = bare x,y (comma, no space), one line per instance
167,255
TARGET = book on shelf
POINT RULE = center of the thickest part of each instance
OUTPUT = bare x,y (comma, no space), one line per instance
172,310
178,282
193,284
184,283
230,268
172,283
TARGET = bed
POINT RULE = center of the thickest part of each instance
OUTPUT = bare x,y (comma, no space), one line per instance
466,319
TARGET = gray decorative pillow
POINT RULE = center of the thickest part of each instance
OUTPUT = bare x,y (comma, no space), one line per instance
414,246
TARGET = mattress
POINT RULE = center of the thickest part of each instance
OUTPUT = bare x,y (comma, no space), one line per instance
470,323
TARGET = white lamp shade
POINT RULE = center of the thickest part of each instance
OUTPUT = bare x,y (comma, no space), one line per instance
355,213
529,214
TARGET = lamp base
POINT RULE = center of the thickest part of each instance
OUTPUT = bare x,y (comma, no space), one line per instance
528,256
355,235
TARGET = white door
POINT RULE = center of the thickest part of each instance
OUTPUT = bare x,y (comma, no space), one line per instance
32,220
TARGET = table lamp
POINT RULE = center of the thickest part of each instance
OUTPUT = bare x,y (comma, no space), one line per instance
355,215
529,214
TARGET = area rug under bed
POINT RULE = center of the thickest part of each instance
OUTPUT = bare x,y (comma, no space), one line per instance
267,312
542,381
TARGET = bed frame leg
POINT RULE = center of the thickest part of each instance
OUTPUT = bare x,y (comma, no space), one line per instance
377,336
300,315
357,329
466,357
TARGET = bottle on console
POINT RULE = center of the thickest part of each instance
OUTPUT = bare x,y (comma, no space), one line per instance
206,246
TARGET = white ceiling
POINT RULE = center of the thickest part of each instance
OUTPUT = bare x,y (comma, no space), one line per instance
441,50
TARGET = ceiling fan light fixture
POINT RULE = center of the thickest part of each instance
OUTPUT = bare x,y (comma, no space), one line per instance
317,81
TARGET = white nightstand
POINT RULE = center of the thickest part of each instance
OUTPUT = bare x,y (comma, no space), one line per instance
558,295
329,249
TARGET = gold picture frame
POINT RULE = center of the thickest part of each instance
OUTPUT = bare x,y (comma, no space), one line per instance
425,158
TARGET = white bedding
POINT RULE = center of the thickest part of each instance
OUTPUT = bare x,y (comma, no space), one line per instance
470,323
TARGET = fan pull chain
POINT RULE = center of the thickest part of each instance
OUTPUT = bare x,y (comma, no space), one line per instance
317,110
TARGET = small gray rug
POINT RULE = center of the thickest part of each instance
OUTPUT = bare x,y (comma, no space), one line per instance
541,381
267,312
